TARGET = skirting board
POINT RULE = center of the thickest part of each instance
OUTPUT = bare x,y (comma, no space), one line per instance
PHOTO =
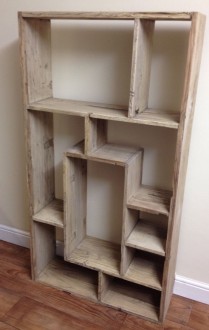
183,286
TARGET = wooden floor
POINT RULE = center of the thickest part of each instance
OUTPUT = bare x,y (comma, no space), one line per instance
25,304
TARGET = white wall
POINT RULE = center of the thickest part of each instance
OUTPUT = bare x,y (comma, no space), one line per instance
193,246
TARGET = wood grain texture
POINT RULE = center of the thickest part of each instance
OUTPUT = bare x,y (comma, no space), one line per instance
76,151
152,117
4,326
97,254
71,278
108,15
182,151
141,66
7,301
52,214
95,134
148,235
151,200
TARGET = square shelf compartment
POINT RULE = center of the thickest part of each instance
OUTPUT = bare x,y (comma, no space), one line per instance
47,146
54,271
130,297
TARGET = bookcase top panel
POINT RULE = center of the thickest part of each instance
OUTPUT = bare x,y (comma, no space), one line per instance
109,15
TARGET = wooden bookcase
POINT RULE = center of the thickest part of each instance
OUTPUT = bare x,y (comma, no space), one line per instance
137,275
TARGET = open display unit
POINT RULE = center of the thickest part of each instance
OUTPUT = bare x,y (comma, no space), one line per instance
136,275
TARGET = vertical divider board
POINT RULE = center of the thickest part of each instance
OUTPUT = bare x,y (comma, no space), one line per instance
104,283
141,66
75,190
95,134
133,177
182,153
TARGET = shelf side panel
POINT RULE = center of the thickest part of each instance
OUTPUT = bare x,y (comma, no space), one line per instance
141,66
44,247
75,190
40,159
182,152
95,134
35,36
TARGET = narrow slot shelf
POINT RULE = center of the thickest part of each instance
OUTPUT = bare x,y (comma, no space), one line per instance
51,214
113,154
76,151
145,270
71,278
148,235
133,298
152,117
151,200
97,254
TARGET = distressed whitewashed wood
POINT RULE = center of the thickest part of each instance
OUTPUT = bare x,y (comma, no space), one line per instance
76,151
75,189
141,66
44,246
71,278
104,282
109,15
95,134
148,235
113,154
182,152
36,46
149,199
51,214
97,254
153,117
132,298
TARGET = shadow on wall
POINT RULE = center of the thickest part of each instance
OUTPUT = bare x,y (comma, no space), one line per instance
13,196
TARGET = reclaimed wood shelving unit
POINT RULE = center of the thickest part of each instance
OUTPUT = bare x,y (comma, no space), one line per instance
136,275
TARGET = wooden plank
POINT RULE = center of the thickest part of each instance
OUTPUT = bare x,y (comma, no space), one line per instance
76,151
133,177
113,154
133,299
51,214
109,15
95,134
35,36
148,235
182,152
40,159
151,200
104,283
141,66
145,270
75,190
70,278
7,300
44,246
97,254
153,117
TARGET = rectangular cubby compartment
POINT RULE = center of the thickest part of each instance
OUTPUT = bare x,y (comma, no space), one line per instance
129,297
37,53
45,207
52,270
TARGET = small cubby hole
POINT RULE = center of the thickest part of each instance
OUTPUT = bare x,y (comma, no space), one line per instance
94,211
51,269
129,297
50,136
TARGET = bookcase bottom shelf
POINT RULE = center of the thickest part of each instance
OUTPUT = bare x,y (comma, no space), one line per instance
133,298
71,278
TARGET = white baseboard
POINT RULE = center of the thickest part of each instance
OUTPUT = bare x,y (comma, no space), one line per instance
183,286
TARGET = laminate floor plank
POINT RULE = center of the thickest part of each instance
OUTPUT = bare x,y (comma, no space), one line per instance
179,310
4,326
198,320
7,301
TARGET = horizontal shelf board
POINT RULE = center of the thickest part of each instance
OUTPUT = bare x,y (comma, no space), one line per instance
150,117
132,298
97,254
76,151
75,108
109,15
51,214
145,270
148,235
71,278
113,154
149,199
